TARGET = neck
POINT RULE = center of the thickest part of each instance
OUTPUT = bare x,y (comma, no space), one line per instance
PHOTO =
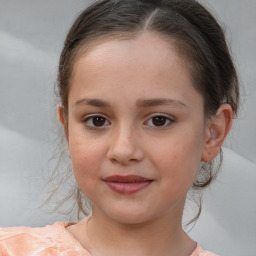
101,235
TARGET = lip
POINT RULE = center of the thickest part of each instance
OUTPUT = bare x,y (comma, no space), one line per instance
128,184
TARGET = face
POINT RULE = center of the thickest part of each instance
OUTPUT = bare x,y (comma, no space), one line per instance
136,128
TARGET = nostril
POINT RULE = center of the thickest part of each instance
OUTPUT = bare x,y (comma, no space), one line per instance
124,147
124,154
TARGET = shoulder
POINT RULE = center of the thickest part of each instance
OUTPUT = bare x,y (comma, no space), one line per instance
48,240
200,252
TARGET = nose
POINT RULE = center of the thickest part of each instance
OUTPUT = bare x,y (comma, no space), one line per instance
124,147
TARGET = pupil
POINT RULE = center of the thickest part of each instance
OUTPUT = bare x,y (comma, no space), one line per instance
98,121
159,120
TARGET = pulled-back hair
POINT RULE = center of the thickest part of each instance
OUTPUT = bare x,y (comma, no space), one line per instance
189,26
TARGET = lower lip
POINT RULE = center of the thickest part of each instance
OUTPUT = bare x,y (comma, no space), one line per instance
128,188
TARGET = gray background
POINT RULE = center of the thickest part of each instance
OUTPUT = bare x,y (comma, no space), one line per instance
31,37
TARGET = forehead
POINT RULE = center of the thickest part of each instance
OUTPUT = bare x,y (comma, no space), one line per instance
144,65
145,49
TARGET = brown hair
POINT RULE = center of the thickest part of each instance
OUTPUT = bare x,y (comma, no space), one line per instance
188,25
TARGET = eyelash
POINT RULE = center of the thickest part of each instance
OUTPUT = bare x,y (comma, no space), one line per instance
88,121
166,118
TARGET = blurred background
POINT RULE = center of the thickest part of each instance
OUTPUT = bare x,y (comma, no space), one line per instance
31,38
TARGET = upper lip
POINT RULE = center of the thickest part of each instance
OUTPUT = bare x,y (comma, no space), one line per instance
126,178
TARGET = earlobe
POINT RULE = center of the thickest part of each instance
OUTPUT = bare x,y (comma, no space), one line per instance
62,120
60,114
216,131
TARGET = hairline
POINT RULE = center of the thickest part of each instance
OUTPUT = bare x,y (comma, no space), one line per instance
89,44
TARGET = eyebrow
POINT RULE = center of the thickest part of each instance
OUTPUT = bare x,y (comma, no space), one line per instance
92,102
159,101
142,103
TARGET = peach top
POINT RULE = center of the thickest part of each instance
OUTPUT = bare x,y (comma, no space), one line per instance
51,240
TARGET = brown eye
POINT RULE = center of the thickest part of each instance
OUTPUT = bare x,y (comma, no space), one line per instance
96,121
159,121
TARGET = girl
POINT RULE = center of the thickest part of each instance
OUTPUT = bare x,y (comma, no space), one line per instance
147,95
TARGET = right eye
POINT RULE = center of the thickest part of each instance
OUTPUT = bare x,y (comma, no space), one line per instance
96,121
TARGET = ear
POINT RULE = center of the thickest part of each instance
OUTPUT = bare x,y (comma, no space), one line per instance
63,120
216,131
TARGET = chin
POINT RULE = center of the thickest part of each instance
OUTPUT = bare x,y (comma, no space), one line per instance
130,217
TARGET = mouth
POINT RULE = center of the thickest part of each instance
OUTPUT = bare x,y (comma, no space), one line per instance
128,184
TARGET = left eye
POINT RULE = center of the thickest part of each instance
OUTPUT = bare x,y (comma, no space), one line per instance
96,121
159,121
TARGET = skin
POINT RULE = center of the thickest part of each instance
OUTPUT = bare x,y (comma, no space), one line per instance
129,77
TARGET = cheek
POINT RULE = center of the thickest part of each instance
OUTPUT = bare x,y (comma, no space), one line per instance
86,159
180,159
